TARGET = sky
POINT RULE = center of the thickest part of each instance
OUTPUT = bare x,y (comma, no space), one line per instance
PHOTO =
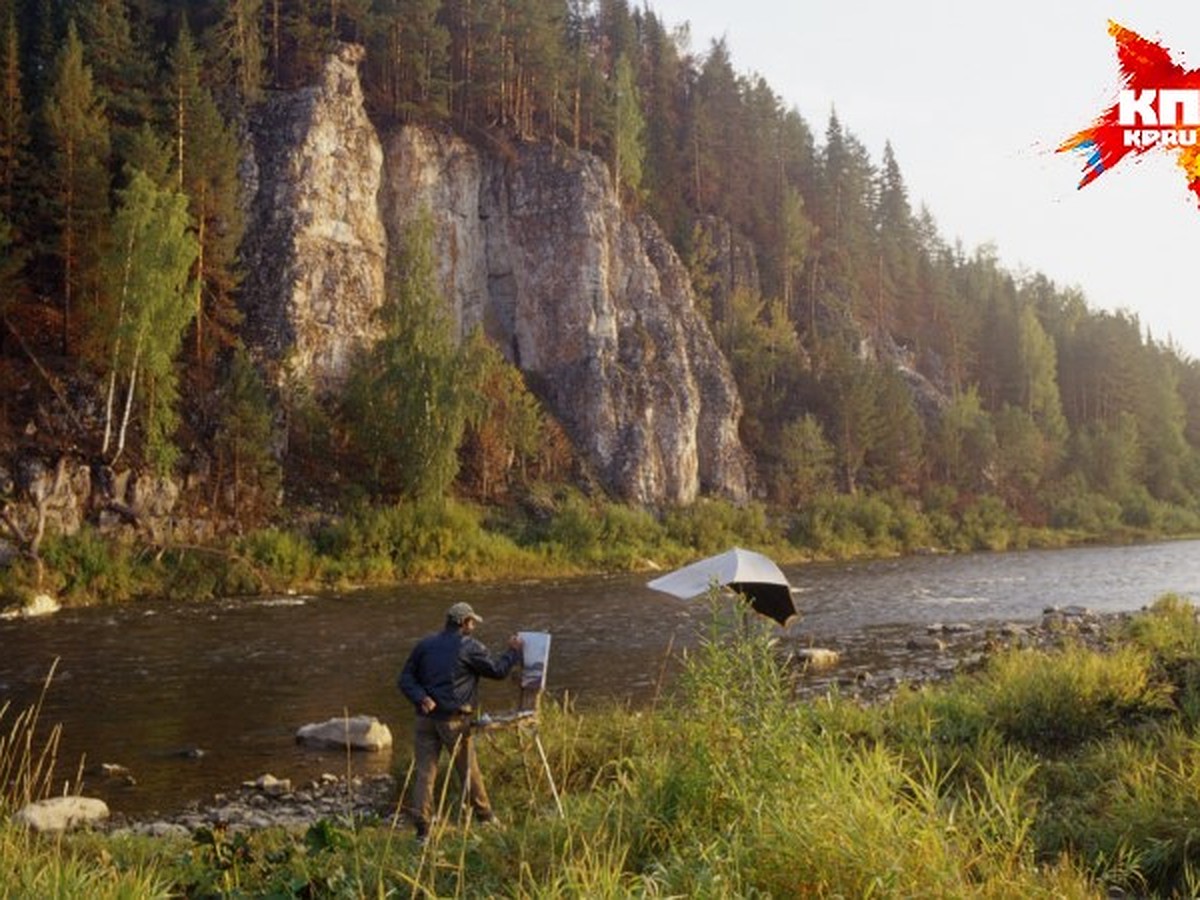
975,98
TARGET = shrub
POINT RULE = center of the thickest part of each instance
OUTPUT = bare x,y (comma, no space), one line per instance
91,566
1055,701
285,554
987,524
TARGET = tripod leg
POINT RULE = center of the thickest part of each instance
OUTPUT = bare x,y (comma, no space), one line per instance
537,740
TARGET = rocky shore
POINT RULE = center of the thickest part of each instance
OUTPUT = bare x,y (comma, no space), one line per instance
872,667
273,802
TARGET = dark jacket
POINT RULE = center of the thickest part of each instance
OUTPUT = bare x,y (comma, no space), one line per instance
447,666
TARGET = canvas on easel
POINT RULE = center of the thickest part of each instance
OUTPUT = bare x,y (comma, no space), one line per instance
533,668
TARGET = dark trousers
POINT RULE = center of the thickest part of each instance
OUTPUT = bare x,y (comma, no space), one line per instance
453,734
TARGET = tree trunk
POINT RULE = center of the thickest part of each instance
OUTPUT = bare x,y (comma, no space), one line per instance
137,358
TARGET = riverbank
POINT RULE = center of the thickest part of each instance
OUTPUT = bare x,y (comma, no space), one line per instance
1066,772
445,540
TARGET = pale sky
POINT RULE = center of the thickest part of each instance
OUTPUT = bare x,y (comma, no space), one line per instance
974,98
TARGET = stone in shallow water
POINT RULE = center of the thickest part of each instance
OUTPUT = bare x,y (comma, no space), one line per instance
62,813
357,732
818,657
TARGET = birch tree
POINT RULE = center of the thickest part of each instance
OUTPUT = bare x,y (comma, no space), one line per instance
147,273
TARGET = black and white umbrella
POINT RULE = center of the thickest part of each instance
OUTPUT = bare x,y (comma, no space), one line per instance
754,576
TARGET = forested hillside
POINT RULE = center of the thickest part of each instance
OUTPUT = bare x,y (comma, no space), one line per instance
872,353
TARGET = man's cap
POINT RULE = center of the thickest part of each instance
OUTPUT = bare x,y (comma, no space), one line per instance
460,612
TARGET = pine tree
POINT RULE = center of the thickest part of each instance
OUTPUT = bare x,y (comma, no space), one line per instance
412,55
629,129
79,132
406,401
206,156
239,51
1037,361
805,468
248,476
14,124
121,71
896,275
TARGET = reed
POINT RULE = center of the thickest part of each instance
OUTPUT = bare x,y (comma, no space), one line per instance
26,760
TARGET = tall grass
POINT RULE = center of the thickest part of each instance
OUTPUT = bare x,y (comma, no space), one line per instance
26,760
32,865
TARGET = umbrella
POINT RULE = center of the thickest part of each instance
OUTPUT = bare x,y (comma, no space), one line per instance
751,574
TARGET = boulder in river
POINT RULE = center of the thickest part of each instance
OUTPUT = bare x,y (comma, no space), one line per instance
62,813
356,732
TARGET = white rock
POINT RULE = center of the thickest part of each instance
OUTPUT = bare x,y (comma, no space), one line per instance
359,732
41,605
818,657
62,813
270,785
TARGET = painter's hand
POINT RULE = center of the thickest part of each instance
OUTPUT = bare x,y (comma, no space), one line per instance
428,705
515,643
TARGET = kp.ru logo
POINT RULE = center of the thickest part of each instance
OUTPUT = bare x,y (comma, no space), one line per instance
1159,107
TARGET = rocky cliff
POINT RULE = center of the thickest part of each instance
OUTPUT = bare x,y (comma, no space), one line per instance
589,301
315,250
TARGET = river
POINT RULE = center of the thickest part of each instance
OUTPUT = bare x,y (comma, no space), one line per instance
147,684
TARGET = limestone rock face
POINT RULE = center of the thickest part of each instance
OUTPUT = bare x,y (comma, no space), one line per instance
315,250
591,303
588,300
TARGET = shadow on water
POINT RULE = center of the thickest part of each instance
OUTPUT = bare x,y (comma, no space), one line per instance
193,699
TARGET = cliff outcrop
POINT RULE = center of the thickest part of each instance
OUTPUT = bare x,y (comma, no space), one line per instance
315,251
587,299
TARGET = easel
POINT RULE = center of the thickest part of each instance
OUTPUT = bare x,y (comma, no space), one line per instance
525,720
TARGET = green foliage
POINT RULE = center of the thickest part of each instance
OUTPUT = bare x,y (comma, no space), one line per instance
288,557
629,128
248,475
1091,513
420,539
79,134
805,462
92,567
206,168
505,428
710,526
407,400
147,277
1054,702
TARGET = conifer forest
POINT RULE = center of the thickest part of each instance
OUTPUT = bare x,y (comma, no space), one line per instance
873,353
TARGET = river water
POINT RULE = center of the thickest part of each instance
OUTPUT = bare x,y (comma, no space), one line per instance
146,685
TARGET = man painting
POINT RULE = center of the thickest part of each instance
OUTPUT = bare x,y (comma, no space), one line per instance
441,679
